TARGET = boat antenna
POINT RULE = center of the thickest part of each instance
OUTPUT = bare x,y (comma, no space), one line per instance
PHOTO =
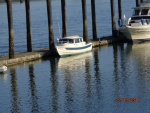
58,26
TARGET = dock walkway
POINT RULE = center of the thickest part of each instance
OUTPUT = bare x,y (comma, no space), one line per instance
38,54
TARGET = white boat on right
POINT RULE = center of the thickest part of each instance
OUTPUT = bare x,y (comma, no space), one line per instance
137,27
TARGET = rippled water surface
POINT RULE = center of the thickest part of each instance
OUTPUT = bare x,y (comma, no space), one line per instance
93,82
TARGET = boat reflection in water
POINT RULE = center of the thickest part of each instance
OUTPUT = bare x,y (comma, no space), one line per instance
74,62
140,56
3,76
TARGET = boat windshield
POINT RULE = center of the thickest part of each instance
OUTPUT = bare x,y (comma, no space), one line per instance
136,12
66,41
78,40
144,12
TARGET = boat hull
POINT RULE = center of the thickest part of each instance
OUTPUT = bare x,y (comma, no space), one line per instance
65,51
136,33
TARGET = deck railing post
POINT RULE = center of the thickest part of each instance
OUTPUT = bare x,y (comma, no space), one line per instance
50,24
10,28
85,23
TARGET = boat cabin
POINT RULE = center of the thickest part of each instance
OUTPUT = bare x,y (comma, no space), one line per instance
141,16
141,11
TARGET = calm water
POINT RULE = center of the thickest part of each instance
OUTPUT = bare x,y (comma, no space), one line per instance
101,81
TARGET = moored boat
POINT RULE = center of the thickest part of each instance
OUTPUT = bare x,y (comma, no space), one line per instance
72,45
138,26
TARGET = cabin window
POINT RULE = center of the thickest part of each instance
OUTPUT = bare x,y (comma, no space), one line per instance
71,41
144,12
136,12
63,40
77,40
80,39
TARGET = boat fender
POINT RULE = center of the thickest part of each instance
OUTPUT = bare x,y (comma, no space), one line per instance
142,21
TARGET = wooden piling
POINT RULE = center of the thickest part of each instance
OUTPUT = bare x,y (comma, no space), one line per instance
94,28
137,3
142,1
113,19
64,22
85,23
10,28
28,26
120,9
50,25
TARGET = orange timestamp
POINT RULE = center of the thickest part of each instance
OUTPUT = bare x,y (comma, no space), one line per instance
129,100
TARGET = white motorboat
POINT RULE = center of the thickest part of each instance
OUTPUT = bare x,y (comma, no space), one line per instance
138,26
72,45
3,69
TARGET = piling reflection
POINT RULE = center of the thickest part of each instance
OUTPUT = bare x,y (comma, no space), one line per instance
97,72
54,86
115,53
14,92
34,97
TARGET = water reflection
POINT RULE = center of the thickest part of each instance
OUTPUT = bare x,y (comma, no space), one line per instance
81,83
3,76
54,85
88,80
72,63
115,53
140,53
69,93
34,98
97,72
15,93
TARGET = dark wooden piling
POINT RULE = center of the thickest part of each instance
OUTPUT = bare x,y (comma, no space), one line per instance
28,26
50,24
142,1
120,9
94,28
113,19
64,22
85,23
10,28
137,3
